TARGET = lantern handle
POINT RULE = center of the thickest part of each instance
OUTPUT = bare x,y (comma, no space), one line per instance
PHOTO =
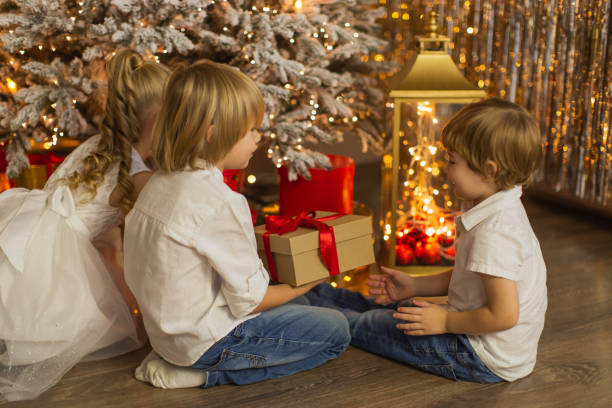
432,42
431,30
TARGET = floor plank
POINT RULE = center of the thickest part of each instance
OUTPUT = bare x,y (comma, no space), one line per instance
574,367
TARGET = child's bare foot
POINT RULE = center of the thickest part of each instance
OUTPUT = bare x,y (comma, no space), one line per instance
161,374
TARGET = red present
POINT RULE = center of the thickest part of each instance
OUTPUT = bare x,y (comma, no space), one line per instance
3,162
234,179
48,159
328,190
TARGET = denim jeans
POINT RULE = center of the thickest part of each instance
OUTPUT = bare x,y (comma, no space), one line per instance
373,329
279,342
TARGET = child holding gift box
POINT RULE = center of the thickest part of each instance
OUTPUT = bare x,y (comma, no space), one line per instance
190,252
489,330
58,301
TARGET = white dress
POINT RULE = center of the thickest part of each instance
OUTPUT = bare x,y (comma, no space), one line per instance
58,303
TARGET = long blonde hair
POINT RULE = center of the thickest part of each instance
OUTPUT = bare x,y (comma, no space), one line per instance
135,86
497,130
197,97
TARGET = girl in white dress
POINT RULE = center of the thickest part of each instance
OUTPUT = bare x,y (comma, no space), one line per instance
58,302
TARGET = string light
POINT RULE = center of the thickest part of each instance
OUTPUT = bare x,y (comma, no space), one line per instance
11,85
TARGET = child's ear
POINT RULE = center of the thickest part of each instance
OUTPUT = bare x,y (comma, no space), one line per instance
209,133
490,169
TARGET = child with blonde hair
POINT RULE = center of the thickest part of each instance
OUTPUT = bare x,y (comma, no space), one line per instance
490,327
58,301
190,252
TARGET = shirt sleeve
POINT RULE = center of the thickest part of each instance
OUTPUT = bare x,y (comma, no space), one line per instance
227,240
497,252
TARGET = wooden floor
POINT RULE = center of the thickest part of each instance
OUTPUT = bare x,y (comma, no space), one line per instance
574,367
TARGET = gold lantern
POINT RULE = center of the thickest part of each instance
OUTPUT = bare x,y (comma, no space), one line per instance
418,208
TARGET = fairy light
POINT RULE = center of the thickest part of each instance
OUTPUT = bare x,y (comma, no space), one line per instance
11,85
421,220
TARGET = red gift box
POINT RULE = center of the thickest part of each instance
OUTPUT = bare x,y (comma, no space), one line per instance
49,160
328,190
234,179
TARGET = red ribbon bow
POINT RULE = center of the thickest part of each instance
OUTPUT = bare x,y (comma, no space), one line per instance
278,224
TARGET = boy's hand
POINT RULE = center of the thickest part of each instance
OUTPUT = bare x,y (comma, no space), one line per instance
391,286
425,319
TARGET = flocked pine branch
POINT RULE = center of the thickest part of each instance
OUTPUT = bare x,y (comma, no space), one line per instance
314,65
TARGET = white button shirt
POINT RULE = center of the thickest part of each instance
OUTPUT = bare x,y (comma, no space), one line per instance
191,261
495,238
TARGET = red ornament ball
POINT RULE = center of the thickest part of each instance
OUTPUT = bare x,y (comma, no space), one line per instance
427,252
450,252
404,254
446,240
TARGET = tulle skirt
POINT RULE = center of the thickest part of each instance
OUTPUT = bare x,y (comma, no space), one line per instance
58,303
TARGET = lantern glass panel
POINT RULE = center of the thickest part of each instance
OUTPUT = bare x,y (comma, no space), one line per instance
425,206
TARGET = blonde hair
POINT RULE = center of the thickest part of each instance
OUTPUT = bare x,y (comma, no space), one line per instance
497,130
197,97
135,87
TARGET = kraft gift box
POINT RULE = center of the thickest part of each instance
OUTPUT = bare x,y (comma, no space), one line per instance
297,256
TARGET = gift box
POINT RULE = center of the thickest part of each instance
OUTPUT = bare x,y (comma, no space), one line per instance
327,190
297,253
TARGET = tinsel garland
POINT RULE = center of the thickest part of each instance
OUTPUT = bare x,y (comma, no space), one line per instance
553,57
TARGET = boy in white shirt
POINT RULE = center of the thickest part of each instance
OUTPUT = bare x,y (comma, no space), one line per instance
489,330
190,252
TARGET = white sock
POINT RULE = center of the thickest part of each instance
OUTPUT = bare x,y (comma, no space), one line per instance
161,374
140,372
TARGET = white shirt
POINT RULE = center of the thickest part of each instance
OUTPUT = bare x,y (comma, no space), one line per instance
495,238
191,261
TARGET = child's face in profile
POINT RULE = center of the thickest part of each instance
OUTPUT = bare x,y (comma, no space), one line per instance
468,184
240,154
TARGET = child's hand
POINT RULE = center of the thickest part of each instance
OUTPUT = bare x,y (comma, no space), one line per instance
425,319
391,286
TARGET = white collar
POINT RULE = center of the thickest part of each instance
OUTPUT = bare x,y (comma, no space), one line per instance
484,209
201,165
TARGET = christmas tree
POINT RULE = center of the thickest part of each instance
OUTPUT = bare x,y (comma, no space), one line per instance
315,62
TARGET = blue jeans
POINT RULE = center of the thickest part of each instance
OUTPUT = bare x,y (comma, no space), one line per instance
373,329
279,342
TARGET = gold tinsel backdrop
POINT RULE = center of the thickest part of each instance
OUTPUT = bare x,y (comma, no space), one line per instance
552,57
